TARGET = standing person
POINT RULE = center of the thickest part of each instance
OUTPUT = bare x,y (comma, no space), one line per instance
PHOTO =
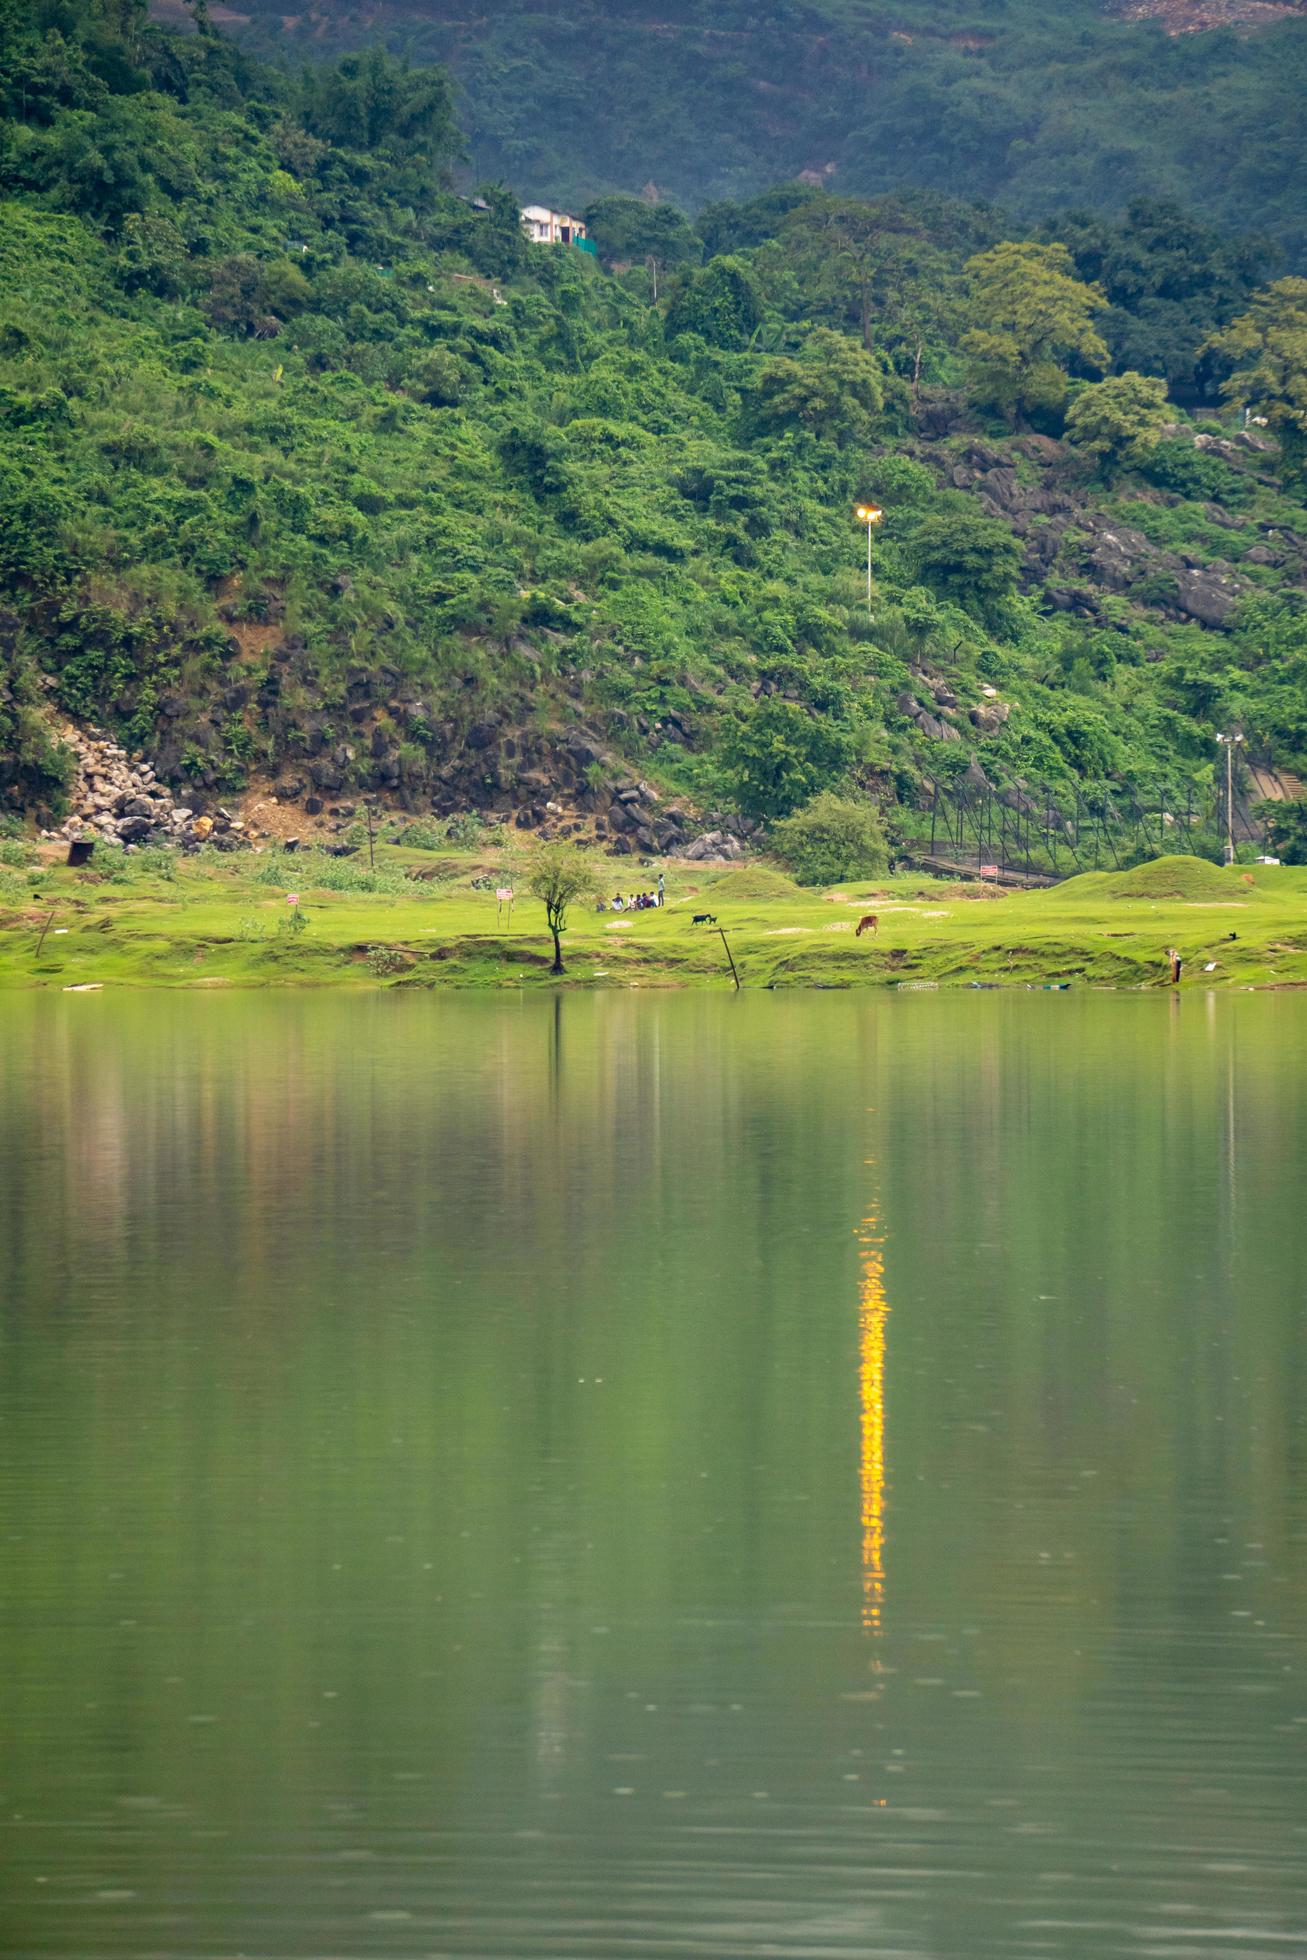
1176,964
662,891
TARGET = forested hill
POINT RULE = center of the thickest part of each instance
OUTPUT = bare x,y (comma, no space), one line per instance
317,476
1034,104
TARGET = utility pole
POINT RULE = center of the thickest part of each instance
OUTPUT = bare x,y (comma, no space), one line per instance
869,515
730,956
1229,742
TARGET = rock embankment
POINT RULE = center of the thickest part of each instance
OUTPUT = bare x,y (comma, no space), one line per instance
119,797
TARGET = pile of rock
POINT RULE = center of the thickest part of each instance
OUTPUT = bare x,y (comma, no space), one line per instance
118,797
714,847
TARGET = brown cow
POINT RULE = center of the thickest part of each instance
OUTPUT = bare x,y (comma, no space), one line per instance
868,923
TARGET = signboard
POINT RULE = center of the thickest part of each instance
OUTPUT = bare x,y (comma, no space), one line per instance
989,871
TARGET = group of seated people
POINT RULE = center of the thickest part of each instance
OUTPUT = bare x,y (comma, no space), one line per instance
637,902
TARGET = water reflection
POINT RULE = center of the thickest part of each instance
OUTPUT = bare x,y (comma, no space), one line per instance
429,1433
872,1312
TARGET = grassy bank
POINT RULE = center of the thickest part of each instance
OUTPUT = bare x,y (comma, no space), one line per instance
419,920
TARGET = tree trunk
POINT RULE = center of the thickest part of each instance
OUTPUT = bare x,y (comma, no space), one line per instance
557,966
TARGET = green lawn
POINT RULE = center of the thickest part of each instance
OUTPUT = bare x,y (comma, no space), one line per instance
222,921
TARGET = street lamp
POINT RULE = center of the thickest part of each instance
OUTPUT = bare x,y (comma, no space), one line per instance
869,515
1229,742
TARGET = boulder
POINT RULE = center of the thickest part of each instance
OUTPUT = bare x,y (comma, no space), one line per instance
1207,596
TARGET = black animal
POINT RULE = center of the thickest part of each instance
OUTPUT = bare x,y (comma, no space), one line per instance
703,919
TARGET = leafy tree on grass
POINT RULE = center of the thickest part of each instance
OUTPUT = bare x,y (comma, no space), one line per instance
1031,315
560,877
1120,420
830,839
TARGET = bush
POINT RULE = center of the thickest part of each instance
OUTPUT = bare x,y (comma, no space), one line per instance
778,755
158,859
386,961
318,871
1120,420
1196,474
831,839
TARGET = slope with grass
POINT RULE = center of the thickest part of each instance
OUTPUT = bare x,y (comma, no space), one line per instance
318,481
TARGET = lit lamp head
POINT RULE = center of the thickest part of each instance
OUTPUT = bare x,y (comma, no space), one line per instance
869,514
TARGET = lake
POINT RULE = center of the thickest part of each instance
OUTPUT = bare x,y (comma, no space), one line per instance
653,1475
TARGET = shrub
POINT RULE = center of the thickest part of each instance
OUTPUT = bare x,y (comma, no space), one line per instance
386,961
158,859
776,757
830,839
1119,420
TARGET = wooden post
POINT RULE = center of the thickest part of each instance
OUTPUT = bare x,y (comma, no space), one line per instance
44,929
372,855
734,975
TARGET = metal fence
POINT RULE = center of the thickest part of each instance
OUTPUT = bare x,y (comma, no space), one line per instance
1039,832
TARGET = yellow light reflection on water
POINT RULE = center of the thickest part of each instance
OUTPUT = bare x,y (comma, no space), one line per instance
873,1310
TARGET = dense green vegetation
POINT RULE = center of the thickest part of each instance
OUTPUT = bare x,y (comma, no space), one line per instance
314,471
1040,107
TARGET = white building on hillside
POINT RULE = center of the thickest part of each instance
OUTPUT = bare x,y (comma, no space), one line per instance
548,227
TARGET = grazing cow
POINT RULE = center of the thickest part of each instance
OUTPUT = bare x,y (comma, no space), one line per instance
867,923
703,919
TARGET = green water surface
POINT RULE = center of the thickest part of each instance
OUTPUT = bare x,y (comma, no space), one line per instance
626,1475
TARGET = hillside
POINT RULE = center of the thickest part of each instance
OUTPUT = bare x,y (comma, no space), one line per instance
1034,106
319,480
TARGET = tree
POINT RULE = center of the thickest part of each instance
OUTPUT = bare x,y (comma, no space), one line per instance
152,257
373,102
560,877
780,755
254,296
626,230
1285,825
721,304
1031,314
1267,349
830,839
962,555
833,390
1170,282
1120,420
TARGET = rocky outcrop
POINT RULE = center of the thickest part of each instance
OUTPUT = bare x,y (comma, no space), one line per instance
1075,554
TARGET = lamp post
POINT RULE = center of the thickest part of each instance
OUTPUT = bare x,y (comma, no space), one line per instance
1229,743
869,515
